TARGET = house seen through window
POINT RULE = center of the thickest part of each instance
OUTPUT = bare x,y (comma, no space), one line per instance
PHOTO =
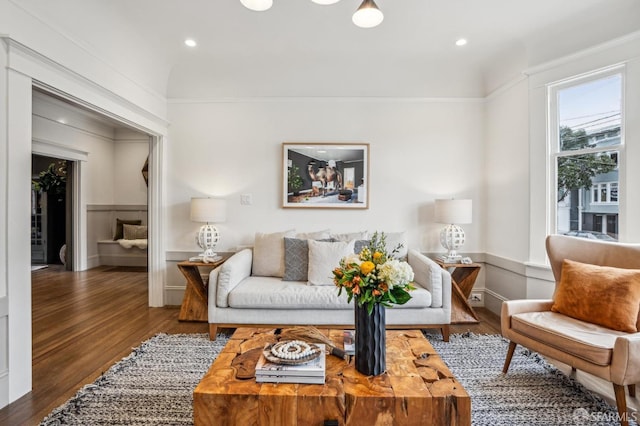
586,140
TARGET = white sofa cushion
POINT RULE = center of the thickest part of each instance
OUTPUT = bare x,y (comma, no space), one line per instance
273,293
324,257
427,274
268,254
230,274
364,235
317,235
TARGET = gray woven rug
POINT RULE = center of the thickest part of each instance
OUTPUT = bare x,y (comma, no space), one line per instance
154,385
533,392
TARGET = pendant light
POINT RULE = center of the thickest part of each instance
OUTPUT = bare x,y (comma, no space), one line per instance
368,15
257,5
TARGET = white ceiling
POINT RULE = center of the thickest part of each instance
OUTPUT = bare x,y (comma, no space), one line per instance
299,48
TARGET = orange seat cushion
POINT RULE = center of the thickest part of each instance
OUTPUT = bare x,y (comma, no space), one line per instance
599,294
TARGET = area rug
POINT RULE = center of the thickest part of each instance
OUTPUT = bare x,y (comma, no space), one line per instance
154,385
533,392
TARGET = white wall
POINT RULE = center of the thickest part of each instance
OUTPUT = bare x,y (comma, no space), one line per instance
141,89
419,150
130,152
517,199
506,203
506,160
4,202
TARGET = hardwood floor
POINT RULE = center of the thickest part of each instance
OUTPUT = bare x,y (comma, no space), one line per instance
83,322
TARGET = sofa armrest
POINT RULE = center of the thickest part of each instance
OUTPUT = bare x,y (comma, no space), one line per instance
625,362
513,307
428,274
230,274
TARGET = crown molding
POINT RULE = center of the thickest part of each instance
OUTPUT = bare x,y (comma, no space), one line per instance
324,99
598,48
19,49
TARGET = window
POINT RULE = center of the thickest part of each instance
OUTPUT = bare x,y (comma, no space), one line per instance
605,193
585,116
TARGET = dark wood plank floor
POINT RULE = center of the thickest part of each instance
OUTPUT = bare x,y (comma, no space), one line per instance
83,322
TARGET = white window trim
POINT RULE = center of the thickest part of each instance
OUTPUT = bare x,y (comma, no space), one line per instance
553,149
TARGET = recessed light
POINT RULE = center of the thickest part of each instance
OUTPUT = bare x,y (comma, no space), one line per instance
190,42
325,1
461,42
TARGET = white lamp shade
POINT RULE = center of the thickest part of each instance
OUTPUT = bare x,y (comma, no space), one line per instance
368,15
453,211
325,1
257,5
208,210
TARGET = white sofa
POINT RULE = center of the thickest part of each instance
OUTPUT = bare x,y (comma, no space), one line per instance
240,295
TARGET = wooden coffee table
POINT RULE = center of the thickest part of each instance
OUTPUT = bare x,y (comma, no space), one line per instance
417,389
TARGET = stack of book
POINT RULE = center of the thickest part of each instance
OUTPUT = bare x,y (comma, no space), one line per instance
312,372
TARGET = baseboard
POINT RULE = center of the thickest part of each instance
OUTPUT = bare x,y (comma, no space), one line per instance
120,260
93,261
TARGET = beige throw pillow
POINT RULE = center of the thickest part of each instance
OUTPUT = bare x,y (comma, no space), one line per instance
268,254
134,232
324,257
364,235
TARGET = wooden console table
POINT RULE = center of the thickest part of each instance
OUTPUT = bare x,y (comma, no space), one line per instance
195,302
463,277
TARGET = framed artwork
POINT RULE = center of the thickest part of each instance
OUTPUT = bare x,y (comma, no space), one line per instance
325,175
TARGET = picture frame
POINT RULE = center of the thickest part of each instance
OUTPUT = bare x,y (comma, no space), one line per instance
325,175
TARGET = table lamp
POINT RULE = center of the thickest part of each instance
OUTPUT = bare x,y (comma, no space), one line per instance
453,213
208,210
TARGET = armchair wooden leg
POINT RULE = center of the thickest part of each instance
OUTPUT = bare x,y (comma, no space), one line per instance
621,402
445,332
213,331
507,361
632,390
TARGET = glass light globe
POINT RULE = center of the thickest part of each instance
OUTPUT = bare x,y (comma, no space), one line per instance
257,5
368,15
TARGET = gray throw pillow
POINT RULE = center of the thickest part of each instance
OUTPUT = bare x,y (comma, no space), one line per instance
359,245
296,259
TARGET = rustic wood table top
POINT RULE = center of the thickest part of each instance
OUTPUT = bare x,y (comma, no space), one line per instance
416,389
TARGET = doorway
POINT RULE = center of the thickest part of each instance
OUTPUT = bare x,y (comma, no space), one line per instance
51,212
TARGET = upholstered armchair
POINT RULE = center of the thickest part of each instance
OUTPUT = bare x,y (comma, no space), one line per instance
592,321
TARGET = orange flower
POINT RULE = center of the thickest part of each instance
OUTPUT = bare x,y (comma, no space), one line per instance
376,292
338,272
356,289
357,279
377,255
366,267
383,286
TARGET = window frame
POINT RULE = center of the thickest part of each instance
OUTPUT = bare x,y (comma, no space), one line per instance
553,139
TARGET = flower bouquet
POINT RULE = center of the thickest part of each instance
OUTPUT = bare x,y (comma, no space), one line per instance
375,276
376,279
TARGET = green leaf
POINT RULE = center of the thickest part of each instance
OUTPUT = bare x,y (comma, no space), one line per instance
400,295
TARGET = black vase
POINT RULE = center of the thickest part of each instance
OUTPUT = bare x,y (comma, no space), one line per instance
370,351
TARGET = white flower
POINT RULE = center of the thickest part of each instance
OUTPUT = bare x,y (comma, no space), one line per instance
394,272
352,258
